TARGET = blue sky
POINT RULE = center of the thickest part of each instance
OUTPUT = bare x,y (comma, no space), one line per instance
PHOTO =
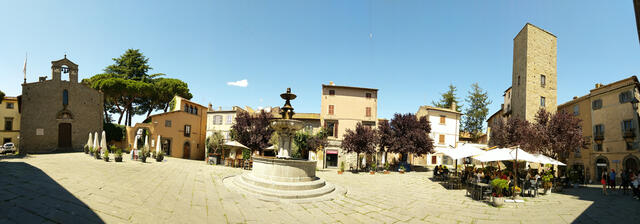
409,50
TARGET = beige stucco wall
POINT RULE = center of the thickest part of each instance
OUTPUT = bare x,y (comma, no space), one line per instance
10,113
349,109
534,54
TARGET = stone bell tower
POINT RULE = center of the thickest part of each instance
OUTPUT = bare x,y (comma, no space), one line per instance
64,66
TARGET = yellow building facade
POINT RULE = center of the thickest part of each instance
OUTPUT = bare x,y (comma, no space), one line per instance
182,130
610,126
10,115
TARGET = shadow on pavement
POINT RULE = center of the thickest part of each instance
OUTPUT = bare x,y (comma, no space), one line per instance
616,207
28,195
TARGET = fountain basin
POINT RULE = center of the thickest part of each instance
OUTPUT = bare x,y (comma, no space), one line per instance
284,170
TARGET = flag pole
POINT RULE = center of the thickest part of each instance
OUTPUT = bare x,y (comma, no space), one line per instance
24,69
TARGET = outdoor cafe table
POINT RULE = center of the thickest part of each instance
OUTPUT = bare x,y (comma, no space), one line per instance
482,187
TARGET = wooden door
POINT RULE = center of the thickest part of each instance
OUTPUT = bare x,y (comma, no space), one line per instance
64,135
186,150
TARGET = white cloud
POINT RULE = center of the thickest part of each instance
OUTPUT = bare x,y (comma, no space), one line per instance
239,83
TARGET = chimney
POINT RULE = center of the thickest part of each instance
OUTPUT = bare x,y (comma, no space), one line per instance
598,85
453,106
220,108
210,107
575,97
331,83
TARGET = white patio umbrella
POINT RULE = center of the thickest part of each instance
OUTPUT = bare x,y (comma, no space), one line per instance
103,142
95,141
548,160
235,144
271,148
146,142
158,145
462,151
90,140
506,154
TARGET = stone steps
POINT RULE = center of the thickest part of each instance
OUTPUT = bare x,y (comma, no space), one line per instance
279,185
270,194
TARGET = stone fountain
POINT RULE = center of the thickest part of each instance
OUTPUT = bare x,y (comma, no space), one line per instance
283,178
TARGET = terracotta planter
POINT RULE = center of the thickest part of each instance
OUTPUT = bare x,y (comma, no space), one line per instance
143,159
106,159
159,158
372,172
118,159
386,172
401,171
340,172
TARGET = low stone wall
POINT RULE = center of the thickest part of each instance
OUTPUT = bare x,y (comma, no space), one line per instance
284,170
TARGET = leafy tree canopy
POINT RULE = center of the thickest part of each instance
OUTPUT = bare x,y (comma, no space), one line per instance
407,134
253,131
448,98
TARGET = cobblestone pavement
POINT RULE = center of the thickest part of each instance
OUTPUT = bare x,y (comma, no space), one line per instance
74,188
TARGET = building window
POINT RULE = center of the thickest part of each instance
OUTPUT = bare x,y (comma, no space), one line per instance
368,95
627,125
441,139
598,147
217,119
167,123
368,111
625,97
195,110
187,130
598,130
543,80
331,129
628,131
542,99
518,80
443,119
229,119
330,109
596,104
332,92
65,97
576,110
5,140
8,124
9,105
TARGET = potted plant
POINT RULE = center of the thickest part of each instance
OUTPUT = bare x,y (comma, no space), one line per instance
499,185
106,155
118,156
144,153
386,168
547,183
91,151
401,169
86,149
374,165
341,169
97,153
159,156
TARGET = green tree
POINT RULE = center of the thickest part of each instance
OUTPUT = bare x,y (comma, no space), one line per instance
129,90
215,143
448,98
476,112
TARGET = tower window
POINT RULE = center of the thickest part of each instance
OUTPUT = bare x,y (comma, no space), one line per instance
65,97
543,80
596,104
330,109
368,95
332,92
542,101
368,112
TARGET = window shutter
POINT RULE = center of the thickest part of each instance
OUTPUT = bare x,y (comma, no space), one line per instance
335,129
621,97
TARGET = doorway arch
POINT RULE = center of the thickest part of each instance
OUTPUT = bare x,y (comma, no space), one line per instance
186,150
631,162
601,165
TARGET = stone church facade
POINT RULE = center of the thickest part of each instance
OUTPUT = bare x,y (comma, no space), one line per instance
58,114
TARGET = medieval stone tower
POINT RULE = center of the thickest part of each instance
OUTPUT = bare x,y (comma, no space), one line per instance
534,80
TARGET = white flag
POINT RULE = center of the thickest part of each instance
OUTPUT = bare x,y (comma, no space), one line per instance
24,70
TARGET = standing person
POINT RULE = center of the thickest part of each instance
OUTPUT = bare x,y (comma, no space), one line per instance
603,181
624,176
635,186
612,179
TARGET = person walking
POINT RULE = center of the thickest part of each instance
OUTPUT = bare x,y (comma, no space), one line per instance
635,185
603,181
624,176
612,179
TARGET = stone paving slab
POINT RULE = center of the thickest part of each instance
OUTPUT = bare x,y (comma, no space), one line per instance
74,187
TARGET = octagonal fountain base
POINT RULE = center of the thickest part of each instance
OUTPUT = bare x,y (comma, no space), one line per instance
286,180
